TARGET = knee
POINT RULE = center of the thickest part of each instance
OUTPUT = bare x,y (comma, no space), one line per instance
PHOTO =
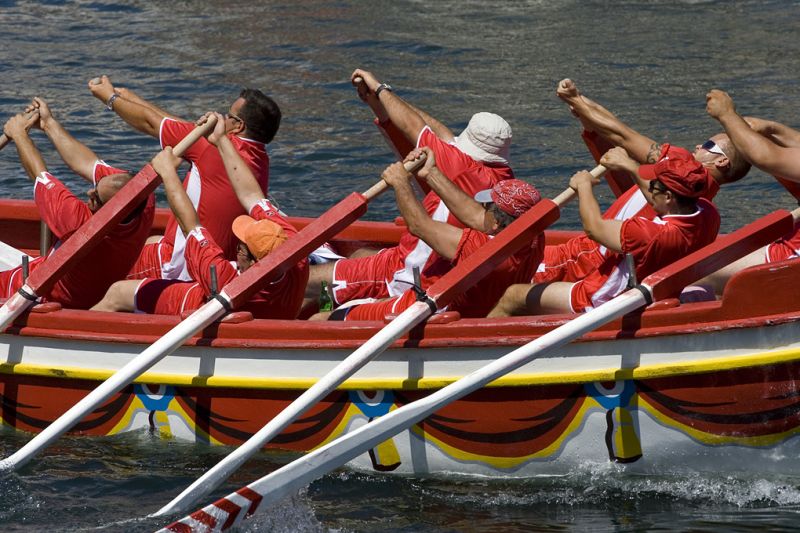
513,301
118,297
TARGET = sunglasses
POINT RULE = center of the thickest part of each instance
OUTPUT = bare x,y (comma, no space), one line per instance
711,146
655,190
234,117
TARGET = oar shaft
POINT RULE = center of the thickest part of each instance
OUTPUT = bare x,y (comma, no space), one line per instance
569,193
349,366
381,186
167,344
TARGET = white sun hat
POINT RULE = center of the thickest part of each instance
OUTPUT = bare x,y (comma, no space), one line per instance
487,138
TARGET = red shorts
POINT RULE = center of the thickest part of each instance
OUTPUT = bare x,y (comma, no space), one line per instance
785,248
378,310
148,264
365,277
570,261
168,296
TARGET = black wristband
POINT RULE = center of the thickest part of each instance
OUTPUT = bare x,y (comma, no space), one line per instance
381,88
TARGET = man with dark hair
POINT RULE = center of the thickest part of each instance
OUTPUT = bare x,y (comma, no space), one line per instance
251,122
684,223
260,114
86,283
258,234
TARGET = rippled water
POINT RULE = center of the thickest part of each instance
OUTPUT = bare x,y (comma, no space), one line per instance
649,61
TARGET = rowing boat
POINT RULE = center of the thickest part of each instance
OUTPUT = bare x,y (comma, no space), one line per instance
705,385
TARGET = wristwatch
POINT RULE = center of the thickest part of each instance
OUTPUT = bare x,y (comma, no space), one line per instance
110,103
382,87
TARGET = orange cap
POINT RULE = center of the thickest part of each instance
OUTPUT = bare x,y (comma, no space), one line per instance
260,236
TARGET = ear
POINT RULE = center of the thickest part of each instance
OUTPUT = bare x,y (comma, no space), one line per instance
722,162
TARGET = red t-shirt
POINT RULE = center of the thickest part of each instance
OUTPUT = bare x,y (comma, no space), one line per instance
210,190
477,301
472,177
86,283
654,244
576,258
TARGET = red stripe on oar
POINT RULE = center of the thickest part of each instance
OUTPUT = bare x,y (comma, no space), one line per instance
98,226
251,495
619,182
518,234
669,281
336,219
204,518
231,508
179,527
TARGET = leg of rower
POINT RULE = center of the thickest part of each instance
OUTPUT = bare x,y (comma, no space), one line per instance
718,279
119,297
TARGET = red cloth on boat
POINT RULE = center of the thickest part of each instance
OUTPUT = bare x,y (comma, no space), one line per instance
86,283
654,244
210,190
280,298
392,272
481,297
578,257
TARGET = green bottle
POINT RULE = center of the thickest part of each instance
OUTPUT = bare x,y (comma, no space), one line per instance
325,303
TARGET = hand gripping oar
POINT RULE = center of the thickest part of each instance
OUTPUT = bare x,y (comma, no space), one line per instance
667,282
232,296
468,272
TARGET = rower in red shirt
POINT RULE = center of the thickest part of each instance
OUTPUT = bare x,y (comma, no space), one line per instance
251,123
491,211
684,223
85,284
772,147
721,161
475,160
259,233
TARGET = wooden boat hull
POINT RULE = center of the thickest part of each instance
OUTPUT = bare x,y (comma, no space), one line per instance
700,386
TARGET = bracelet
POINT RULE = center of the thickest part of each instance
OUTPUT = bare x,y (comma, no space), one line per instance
110,102
381,88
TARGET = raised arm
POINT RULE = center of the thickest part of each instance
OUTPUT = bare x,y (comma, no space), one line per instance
617,159
461,205
16,128
78,157
597,118
244,183
131,96
165,163
402,115
605,232
769,156
441,237
143,118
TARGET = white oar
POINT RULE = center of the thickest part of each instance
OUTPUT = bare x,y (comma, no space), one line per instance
261,494
232,296
440,294
10,257
89,235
